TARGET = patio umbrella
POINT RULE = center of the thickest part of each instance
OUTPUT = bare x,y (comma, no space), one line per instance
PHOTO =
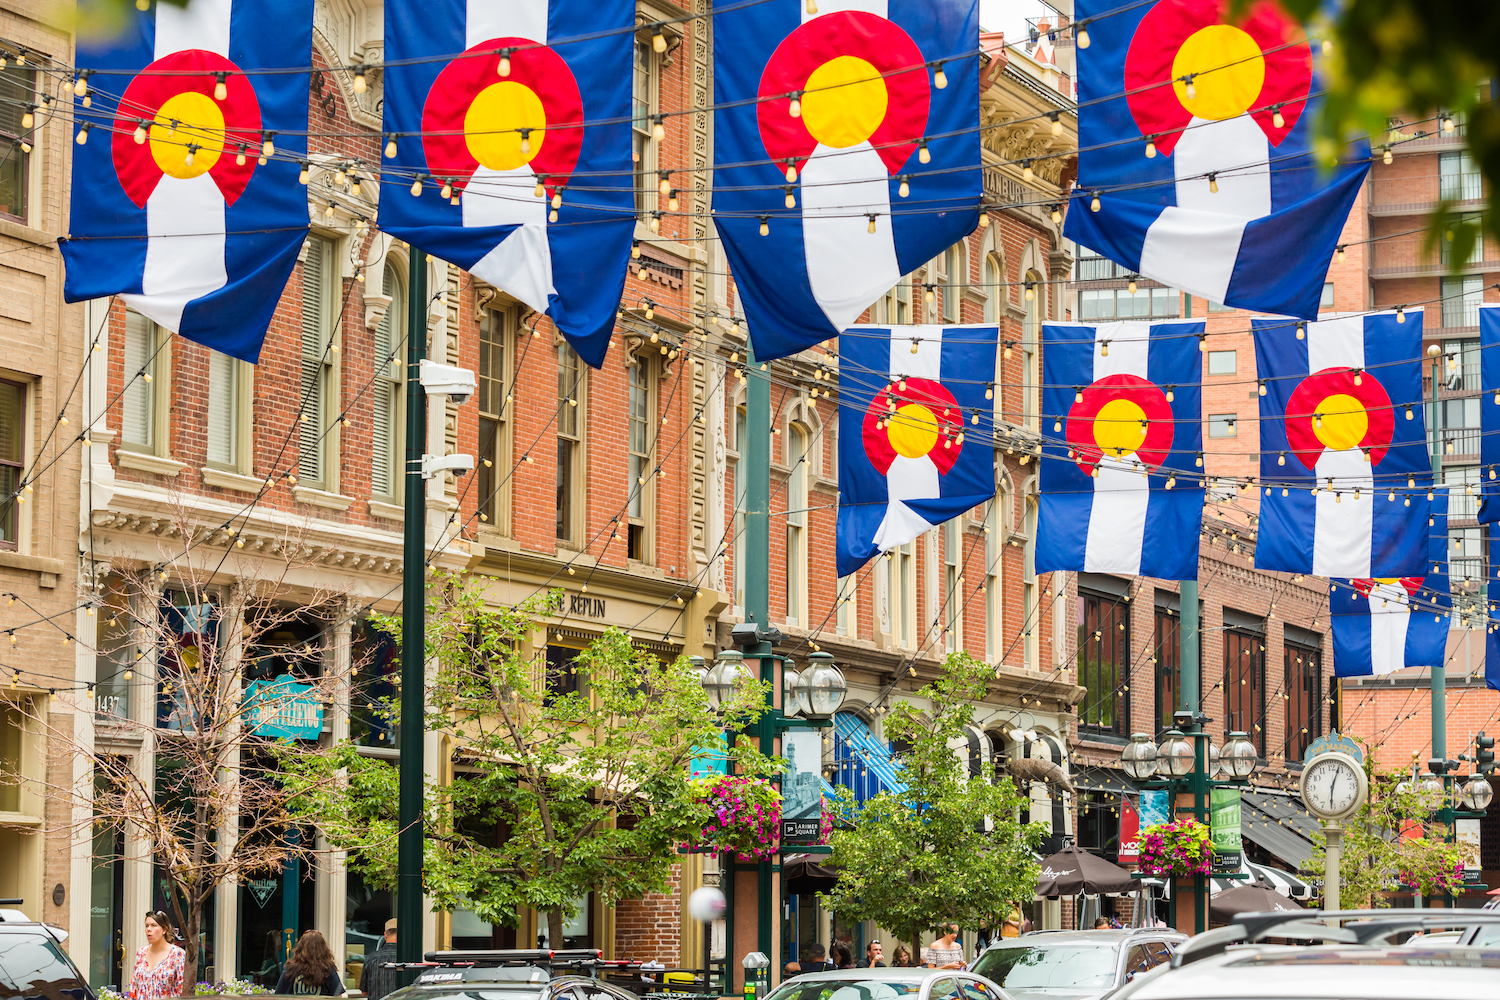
1072,871
1255,898
808,873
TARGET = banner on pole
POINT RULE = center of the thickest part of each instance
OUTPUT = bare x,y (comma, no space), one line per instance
1224,825
802,787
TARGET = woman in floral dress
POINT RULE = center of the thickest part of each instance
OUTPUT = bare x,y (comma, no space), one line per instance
159,965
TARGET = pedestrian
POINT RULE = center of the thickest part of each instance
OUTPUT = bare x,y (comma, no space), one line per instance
311,971
375,980
1102,924
817,959
843,958
873,957
901,958
159,964
944,953
1011,926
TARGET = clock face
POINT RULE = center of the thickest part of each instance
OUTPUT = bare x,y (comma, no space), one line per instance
1330,786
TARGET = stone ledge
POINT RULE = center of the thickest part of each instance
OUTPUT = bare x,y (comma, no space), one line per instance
389,511
230,480
34,564
153,464
321,498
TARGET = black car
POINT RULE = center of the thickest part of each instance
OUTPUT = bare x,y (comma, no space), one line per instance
32,962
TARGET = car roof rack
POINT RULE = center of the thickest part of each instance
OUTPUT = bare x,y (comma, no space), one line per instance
1358,927
590,959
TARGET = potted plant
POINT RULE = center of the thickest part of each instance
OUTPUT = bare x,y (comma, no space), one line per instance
1180,849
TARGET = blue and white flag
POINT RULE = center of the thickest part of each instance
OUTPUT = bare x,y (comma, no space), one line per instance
1341,433
916,395
496,108
845,154
1492,630
1489,412
1121,411
1384,625
174,208
1195,165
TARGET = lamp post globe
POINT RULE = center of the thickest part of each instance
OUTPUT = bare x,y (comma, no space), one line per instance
1215,760
1431,785
1477,794
1239,756
821,688
720,681
789,704
1138,758
1174,755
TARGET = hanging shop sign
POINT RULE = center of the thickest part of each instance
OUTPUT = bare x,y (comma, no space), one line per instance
283,709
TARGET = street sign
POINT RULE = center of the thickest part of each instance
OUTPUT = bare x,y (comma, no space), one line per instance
1331,743
1130,832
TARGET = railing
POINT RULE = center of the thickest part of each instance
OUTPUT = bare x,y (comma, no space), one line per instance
1459,314
1099,269
1459,441
1395,195
1466,567
1462,506
1410,258
1431,138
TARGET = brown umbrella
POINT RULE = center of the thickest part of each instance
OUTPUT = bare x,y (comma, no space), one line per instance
1072,871
1258,897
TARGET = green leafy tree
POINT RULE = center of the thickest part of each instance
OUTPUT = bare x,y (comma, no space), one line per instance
1387,839
555,792
948,848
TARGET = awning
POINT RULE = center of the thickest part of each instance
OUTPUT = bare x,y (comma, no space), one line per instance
1283,882
870,751
1277,823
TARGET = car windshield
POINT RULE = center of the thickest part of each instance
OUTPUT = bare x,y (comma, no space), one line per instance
813,988
1061,967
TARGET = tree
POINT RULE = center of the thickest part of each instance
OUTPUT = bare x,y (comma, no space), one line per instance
948,848
568,779
1388,840
215,812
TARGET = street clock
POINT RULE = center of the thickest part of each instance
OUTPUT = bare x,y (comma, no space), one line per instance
1333,786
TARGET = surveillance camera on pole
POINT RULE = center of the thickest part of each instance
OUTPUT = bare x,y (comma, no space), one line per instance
457,383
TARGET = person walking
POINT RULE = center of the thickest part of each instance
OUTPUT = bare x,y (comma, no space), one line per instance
159,964
872,959
944,953
375,980
311,971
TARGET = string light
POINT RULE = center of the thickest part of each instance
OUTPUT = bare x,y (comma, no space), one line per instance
503,67
1081,35
765,225
923,155
1094,205
390,147
1150,147
221,89
359,79
939,78
83,133
795,108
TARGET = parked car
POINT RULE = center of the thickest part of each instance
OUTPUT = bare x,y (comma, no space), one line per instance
889,984
1483,934
1353,962
574,974
1074,965
32,965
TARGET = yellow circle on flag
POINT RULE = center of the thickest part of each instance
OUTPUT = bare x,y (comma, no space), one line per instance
1343,422
913,430
187,119
1120,427
844,102
1228,70
493,122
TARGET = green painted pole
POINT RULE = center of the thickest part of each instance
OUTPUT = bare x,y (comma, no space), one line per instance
1190,686
758,596
1439,670
413,628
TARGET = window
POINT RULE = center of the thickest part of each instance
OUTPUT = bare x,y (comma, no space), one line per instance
1221,425
1245,685
901,591
894,308
146,359
1325,301
1304,689
1473,220
994,544
12,459
1031,332
953,283
1461,298
388,458
1222,362
1462,506
1031,610
1459,178
739,506
1104,662
1460,426
953,604
848,612
17,92
643,107
1465,559
316,433
639,418
569,443
494,443
1120,303
1166,657
994,289
796,525
227,382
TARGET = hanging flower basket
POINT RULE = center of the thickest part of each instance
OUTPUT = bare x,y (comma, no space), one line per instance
1436,871
1176,849
745,816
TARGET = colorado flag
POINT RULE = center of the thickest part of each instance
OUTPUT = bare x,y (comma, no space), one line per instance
845,153
1489,410
913,395
1384,625
1195,164
1120,424
1492,633
496,135
173,207
1341,437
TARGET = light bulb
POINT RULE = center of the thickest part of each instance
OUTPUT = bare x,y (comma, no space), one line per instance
27,118
1192,91
1276,119
659,130
1387,159
354,186
795,108
504,66
1340,255
902,191
1057,215
765,226
416,187
922,154
1213,183
939,78
1104,348
83,134
812,6
791,174
359,82
1094,205
239,159
871,227
1281,459
658,41
80,85
1400,314
984,219
552,217
390,147
1301,330
1077,395
791,199
140,134
525,141
447,191
557,199
221,89
1057,125
339,177
1027,173
302,175
1081,36
1131,285
187,160
1150,149
1358,378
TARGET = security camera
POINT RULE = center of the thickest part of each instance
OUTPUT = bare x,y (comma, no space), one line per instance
458,383
457,464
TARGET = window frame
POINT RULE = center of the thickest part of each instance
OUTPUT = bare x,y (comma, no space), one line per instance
994,287
1239,716
23,158
322,421
643,145
392,374
240,418
572,411
494,482
798,460
1031,338
1166,656
994,607
158,389
846,618
1229,422
1104,614
1233,368
901,594
10,509
952,306
640,505
953,616
739,424
1303,685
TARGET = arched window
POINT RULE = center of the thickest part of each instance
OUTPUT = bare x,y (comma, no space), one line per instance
994,289
1034,300
739,504
796,524
389,421
954,279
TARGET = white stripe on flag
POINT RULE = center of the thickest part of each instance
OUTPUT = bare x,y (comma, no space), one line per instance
927,362
184,249
1234,149
1194,251
1117,517
522,262
1342,524
848,267
488,19
202,24
879,8
1336,343
910,478
1390,616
